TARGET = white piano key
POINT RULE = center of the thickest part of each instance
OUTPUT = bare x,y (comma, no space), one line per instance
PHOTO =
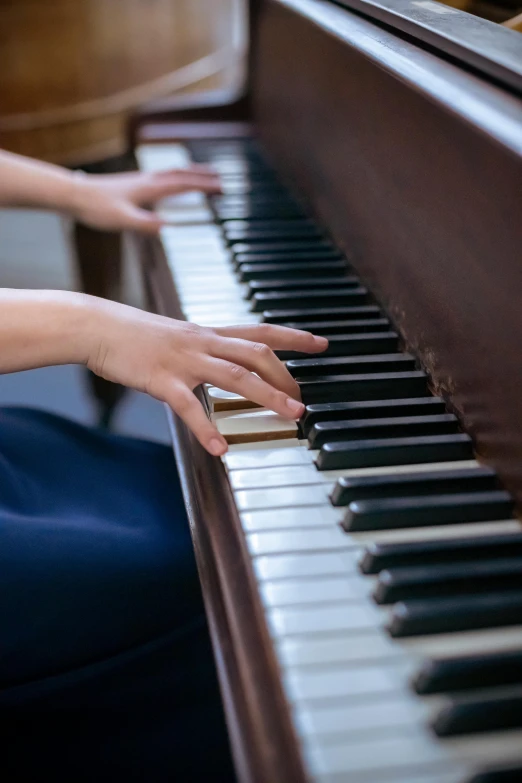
324,538
257,424
290,621
226,316
191,216
308,540
267,458
294,566
455,775
409,749
215,321
489,640
220,299
264,477
313,591
289,518
158,157
282,497
355,649
281,476
343,719
375,644
339,682
294,475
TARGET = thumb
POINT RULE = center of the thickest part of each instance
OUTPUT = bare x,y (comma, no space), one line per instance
141,220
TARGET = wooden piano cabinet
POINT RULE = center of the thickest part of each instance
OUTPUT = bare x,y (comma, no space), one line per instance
415,166
263,743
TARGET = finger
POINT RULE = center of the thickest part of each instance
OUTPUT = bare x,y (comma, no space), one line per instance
196,168
137,219
259,358
187,406
279,338
233,377
159,190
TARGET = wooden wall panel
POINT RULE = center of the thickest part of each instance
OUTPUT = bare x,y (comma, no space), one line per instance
72,70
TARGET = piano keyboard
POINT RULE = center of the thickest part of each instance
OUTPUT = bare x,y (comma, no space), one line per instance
388,559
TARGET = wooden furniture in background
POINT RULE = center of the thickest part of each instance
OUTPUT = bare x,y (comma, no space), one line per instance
73,70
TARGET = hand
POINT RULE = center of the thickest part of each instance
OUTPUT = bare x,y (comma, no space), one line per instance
168,359
115,201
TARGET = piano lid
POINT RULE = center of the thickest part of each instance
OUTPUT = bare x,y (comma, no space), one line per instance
490,48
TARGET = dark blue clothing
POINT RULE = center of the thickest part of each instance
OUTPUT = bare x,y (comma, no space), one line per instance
106,671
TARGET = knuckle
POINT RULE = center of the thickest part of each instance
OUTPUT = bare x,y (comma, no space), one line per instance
236,372
185,402
262,350
277,400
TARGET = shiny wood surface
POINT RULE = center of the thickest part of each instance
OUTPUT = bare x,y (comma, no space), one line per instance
73,70
416,167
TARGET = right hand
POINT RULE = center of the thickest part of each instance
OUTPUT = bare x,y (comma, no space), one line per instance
168,359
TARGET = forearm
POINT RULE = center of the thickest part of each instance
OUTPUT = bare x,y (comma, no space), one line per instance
43,328
25,182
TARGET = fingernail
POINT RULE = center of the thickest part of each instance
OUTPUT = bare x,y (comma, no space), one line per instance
296,407
217,447
321,342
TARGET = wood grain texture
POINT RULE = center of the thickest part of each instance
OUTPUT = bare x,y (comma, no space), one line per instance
73,70
422,190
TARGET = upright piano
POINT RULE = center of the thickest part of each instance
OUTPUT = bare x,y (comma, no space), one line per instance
361,569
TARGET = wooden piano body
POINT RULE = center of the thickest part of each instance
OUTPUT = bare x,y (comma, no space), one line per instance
411,156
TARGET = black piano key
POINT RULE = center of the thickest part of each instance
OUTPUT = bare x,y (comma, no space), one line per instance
328,328
258,213
390,451
238,187
471,716
342,295
498,775
371,409
283,271
424,510
289,247
457,550
252,235
451,615
250,179
430,482
343,365
246,225
262,200
311,257
324,314
401,584
300,283
352,345
375,386
395,427
468,672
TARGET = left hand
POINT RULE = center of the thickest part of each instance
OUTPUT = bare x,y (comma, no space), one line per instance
112,202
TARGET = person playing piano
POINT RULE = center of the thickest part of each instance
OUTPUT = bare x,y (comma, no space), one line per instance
105,661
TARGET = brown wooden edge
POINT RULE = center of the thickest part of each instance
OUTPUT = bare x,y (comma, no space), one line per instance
264,745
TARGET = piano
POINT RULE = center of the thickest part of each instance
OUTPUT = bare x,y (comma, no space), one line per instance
362,568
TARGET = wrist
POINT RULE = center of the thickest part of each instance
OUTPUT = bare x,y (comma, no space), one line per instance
73,323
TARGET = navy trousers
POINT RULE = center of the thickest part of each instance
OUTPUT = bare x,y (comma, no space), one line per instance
106,670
